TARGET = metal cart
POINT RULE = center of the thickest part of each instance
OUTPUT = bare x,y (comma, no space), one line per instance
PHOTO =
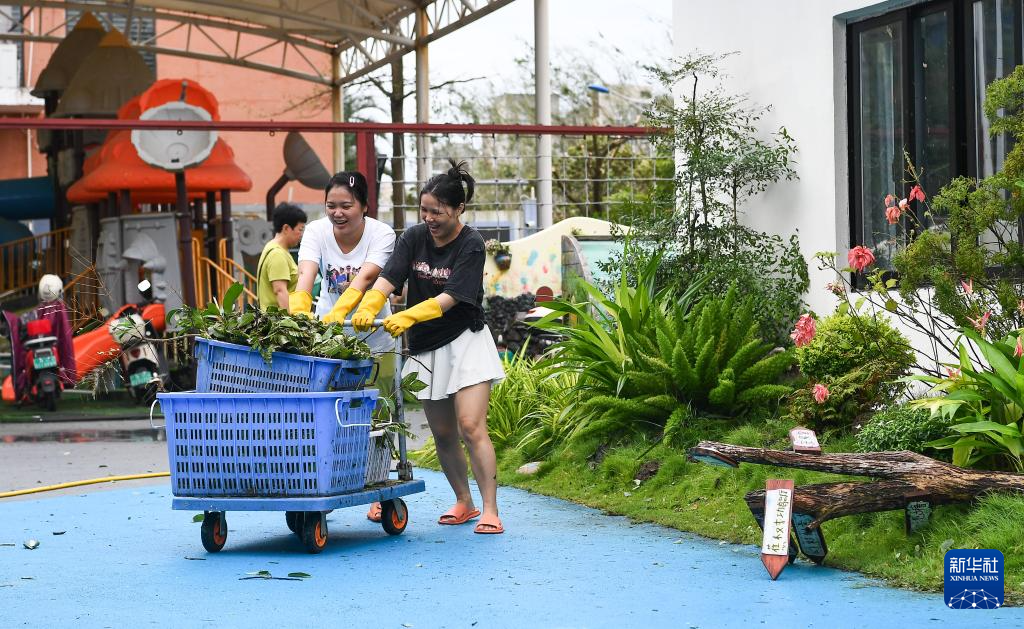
306,516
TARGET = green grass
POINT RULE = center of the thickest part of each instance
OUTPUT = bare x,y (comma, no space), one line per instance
708,501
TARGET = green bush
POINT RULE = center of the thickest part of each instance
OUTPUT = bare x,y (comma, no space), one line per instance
984,403
901,427
845,342
860,359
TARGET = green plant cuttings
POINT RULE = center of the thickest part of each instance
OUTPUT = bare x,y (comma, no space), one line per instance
270,330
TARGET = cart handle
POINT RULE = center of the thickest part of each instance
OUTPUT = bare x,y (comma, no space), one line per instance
151,407
337,415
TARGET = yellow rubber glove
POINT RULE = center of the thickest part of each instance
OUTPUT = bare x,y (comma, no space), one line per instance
343,306
300,302
372,302
398,323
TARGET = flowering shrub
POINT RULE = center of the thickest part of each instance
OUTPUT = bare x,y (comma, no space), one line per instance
852,363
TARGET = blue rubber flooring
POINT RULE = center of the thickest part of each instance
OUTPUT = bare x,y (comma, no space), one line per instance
126,559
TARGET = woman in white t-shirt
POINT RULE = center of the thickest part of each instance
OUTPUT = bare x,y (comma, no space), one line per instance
348,249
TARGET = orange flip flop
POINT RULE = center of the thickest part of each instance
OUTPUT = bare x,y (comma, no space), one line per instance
459,514
373,515
489,525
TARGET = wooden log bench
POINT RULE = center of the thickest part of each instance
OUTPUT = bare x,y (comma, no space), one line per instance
907,480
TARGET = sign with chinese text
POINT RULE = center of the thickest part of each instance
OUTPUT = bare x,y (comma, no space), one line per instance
778,509
804,440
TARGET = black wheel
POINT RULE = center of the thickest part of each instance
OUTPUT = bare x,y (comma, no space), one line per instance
314,531
394,516
144,392
294,520
215,530
48,400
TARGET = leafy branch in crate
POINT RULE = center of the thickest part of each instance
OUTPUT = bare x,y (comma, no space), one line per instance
385,417
270,330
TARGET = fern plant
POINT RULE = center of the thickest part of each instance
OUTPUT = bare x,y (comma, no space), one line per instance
648,361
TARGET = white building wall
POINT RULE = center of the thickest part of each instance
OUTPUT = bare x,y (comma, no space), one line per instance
792,57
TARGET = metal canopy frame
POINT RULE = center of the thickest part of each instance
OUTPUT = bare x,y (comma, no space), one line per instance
303,39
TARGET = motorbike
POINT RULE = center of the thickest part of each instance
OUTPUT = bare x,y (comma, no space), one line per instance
43,363
140,362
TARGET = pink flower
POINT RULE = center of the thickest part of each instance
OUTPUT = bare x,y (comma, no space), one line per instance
969,286
980,323
804,330
820,393
860,257
889,200
892,214
953,373
1018,351
904,205
836,289
916,194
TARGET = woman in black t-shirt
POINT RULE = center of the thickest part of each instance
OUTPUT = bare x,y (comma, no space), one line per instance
442,260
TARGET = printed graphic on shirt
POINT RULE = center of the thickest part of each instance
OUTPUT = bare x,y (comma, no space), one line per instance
438,276
338,278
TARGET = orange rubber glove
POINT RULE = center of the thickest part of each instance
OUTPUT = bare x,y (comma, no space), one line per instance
398,323
343,306
372,302
300,302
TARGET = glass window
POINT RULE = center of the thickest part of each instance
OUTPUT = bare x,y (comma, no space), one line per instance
881,130
917,81
994,56
935,156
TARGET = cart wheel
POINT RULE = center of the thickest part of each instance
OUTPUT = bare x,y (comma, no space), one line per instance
314,531
294,520
394,516
215,531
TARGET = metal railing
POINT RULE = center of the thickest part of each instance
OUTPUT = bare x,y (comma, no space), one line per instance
24,261
212,280
599,175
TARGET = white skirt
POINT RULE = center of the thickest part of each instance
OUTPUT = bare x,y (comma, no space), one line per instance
470,359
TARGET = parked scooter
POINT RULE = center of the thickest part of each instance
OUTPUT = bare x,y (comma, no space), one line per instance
140,361
43,363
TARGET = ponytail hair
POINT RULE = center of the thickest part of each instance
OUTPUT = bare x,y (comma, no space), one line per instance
452,188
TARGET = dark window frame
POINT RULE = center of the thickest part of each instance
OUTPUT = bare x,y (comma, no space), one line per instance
960,40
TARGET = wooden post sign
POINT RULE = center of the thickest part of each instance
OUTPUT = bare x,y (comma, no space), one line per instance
756,507
778,510
804,440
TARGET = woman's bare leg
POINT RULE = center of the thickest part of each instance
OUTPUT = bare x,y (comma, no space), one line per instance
443,425
470,409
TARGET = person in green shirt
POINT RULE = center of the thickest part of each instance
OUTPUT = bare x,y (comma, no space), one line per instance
277,272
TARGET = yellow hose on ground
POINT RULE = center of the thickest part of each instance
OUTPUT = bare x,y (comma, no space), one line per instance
78,483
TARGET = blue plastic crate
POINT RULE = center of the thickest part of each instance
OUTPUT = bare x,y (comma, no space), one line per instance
235,368
267,444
